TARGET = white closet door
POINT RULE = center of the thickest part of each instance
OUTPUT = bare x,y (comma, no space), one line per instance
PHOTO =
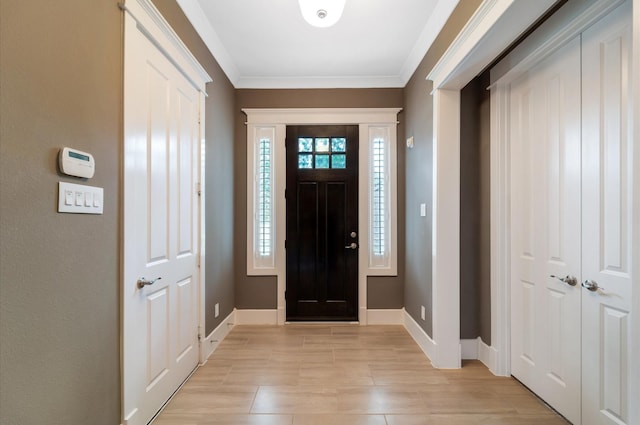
160,227
607,178
545,211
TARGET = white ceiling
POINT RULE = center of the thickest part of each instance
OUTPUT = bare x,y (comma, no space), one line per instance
267,43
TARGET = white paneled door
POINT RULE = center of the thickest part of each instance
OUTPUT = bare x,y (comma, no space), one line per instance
571,182
160,318
607,182
545,303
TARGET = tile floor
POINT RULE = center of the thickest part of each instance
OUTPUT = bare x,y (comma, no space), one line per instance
343,375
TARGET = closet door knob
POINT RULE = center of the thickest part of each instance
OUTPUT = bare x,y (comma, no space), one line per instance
569,280
591,285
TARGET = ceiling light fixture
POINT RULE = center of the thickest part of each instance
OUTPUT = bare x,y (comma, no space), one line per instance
322,13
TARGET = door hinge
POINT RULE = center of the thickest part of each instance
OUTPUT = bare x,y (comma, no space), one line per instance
198,261
198,189
199,334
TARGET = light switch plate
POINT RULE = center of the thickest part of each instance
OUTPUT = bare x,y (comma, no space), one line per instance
78,194
423,210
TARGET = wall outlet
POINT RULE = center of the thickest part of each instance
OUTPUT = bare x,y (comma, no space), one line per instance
216,310
423,312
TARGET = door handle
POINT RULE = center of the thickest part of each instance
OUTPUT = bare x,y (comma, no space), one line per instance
353,245
142,282
591,285
569,280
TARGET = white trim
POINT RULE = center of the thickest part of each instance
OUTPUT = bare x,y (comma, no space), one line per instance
426,344
150,21
301,116
469,349
500,223
202,222
634,367
566,24
385,317
446,229
256,317
494,25
562,27
487,355
213,340
193,11
336,82
280,118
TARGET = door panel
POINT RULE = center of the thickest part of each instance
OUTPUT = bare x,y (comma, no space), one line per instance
545,142
607,177
322,211
160,223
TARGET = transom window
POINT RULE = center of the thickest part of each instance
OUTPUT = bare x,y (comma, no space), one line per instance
322,152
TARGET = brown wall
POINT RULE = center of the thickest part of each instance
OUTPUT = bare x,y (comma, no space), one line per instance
418,123
475,260
257,292
61,79
61,82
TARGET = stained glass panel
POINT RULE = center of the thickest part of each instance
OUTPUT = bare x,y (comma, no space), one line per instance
338,161
338,144
305,160
322,145
305,144
322,161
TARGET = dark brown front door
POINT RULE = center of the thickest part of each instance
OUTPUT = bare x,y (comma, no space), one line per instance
322,223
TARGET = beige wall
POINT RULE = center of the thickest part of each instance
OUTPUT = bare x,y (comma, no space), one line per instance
61,82
418,123
256,292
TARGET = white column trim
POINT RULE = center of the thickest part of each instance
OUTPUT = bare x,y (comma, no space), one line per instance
446,229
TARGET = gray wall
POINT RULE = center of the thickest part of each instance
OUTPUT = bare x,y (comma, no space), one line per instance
418,123
61,79
259,292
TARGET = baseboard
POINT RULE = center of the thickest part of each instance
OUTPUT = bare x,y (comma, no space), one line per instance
385,317
214,339
469,348
488,355
423,340
256,317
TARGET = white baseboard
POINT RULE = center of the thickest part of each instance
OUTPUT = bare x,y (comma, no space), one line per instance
419,335
469,348
256,317
214,339
488,356
385,317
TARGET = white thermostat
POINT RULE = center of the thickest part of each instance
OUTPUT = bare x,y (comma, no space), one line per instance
76,163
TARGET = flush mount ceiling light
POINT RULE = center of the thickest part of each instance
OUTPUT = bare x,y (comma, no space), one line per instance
322,13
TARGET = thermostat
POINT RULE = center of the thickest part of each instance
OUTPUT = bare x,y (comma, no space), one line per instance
76,163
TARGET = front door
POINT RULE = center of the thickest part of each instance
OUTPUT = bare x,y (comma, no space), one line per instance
322,223
160,291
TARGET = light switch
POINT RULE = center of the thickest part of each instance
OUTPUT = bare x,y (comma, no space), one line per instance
79,199
423,210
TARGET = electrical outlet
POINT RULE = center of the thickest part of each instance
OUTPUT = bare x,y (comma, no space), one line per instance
216,310
423,312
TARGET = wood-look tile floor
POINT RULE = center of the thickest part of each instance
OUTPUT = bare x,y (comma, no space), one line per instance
343,375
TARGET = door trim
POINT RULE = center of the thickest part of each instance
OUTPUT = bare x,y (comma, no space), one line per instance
152,24
280,118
